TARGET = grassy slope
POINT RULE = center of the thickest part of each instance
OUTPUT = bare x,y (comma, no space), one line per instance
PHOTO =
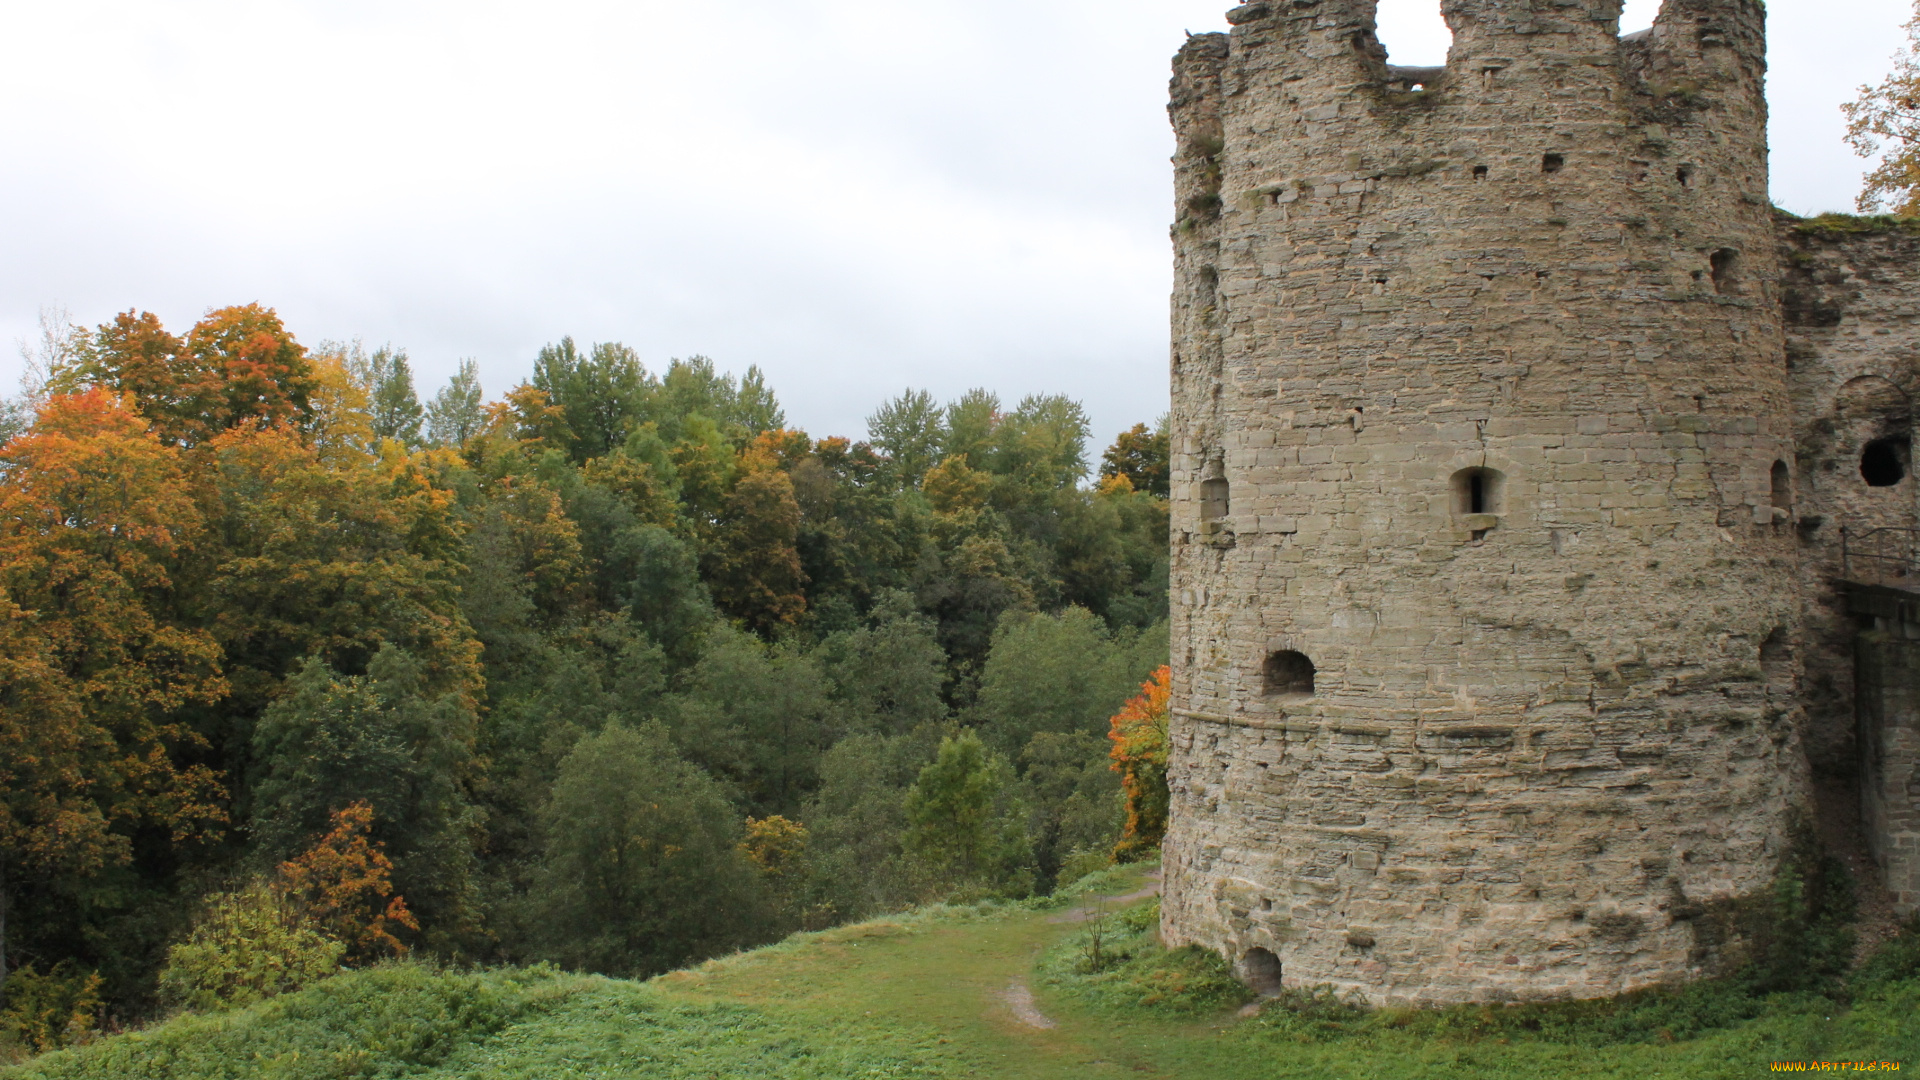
918,995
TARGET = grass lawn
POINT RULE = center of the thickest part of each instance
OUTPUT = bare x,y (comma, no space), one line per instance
927,995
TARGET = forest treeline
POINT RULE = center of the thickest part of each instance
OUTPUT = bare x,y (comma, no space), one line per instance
616,670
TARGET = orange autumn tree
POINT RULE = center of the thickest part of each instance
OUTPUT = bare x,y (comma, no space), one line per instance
236,367
345,884
96,673
1139,734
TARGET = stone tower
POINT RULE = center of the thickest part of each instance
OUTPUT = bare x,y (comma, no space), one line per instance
1484,589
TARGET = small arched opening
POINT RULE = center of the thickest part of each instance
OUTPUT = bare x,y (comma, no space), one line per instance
1261,971
1286,673
1479,491
1780,484
1883,461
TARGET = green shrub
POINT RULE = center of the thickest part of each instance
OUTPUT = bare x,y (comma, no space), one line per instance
1896,961
1081,862
250,945
1116,962
47,1011
398,1019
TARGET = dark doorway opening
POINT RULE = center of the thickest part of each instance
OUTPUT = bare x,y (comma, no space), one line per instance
1261,969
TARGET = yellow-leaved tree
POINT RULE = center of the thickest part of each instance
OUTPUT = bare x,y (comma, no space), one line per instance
1888,116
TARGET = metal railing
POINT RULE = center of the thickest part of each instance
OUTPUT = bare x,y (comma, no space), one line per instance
1888,555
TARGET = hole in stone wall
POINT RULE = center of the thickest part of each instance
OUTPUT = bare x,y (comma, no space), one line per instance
1776,656
1479,172
1723,264
1883,462
1552,163
1287,672
1213,499
1478,491
1781,482
1637,16
1684,174
1413,32
1261,969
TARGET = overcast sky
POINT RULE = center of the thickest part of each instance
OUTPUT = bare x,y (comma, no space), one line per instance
856,196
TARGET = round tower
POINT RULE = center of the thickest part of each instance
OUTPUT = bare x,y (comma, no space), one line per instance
1482,590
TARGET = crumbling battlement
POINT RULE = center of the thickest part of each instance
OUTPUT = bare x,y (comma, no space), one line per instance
1486,592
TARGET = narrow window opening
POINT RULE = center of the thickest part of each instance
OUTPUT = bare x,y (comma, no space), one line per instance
1213,499
1723,264
1261,969
1883,462
1287,672
1684,174
1478,493
1781,484
1479,172
1776,656
1553,163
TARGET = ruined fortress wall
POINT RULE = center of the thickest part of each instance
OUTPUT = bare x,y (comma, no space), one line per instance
1549,727
1853,355
1851,305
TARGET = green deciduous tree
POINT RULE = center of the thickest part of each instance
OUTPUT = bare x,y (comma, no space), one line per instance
602,393
965,823
1142,457
1043,442
1073,799
642,869
756,716
857,819
392,403
384,739
887,675
1058,673
971,422
910,431
455,414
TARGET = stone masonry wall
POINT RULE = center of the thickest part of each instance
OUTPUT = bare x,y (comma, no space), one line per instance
1545,732
1887,665
1852,313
